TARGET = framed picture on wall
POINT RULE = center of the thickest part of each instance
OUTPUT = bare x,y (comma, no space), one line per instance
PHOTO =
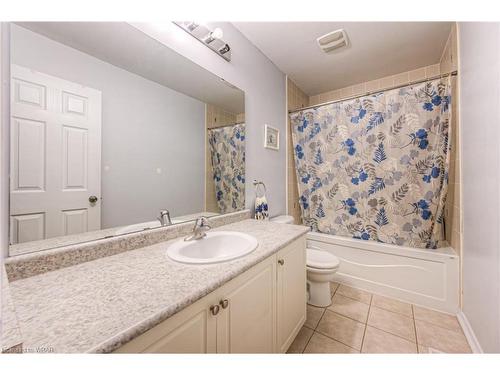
271,138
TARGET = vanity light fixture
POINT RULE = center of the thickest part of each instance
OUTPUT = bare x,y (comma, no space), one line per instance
210,38
192,25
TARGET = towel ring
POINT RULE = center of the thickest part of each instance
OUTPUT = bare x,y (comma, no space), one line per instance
257,184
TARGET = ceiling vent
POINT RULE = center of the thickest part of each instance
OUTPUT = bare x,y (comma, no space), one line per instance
333,40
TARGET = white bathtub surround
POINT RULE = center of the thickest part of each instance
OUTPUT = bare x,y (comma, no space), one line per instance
100,305
419,276
28,265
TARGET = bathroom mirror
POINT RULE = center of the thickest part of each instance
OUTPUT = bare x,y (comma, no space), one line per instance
110,129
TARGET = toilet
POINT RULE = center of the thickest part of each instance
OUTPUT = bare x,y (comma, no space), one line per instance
321,266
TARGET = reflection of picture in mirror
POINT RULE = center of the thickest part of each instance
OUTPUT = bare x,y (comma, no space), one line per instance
135,138
271,136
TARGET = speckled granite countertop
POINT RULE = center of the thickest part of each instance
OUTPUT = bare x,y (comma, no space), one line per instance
10,335
98,306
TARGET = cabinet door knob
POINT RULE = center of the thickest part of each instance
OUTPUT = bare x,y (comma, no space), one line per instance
224,303
281,262
214,309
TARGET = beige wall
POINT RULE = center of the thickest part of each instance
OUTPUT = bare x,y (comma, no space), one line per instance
453,209
378,84
214,118
297,99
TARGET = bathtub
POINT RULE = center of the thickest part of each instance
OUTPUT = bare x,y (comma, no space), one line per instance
423,277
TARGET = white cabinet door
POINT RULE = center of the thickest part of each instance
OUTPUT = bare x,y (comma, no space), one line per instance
247,324
291,290
55,156
260,311
192,330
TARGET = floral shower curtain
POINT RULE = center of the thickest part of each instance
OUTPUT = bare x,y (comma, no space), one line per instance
227,148
376,167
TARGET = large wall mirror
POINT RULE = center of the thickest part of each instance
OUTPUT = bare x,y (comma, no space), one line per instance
108,128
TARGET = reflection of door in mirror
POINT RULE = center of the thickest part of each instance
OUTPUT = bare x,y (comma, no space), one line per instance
55,156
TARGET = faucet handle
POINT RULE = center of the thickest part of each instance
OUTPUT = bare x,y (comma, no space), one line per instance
164,217
202,221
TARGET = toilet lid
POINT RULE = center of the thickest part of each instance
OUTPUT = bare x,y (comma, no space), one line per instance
321,259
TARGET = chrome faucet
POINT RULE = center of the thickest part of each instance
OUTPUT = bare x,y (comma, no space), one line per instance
164,218
199,230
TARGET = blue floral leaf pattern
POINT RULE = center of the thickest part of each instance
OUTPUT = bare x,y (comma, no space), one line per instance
381,219
227,150
380,155
376,168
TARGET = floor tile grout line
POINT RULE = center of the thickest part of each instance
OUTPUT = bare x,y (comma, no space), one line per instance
366,324
314,329
367,317
343,316
395,312
415,328
393,334
331,338
319,320
353,299
348,317
343,295
307,343
362,342
412,318
440,326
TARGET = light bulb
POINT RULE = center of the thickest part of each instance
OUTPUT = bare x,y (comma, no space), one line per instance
217,33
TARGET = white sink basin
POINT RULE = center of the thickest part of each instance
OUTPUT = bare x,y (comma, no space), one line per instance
216,247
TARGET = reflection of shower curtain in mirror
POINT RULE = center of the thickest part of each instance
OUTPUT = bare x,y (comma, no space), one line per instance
227,149
376,167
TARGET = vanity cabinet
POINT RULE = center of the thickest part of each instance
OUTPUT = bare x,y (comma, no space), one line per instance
247,324
291,290
259,311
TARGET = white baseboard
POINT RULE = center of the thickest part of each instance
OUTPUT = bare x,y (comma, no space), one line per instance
469,333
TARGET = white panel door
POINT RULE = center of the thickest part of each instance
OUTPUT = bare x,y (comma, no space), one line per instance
55,156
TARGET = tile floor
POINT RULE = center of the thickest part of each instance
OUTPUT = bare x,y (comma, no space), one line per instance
361,322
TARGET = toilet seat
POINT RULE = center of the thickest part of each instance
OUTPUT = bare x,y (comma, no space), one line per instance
321,260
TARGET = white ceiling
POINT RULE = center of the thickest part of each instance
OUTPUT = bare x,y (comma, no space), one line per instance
122,45
376,49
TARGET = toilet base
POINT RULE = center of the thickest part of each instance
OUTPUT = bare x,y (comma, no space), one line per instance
319,293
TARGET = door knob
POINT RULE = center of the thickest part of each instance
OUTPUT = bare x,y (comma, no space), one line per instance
93,199
214,309
224,303
281,262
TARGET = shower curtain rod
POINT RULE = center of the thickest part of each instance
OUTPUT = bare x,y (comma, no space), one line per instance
452,73
225,126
